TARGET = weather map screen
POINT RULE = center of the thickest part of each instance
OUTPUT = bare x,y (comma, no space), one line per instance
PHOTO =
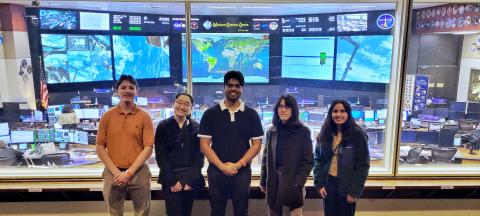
58,19
308,57
364,58
142,56
76,58
213,54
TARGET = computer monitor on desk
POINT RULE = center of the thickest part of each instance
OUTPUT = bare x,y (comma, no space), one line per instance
458,106
473,107
454,115
427,137
4,129
409,136
19,136
441,112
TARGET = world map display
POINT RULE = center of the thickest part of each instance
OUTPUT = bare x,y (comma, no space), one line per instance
215,54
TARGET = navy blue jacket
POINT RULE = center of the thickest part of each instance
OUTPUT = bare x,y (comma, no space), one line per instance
353,163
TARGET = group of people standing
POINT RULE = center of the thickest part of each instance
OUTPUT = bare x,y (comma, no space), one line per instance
230,135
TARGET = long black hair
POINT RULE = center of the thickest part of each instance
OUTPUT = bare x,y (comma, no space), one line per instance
329,127
290,101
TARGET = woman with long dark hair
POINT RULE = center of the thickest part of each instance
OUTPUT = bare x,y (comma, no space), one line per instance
341,161
177,150
287,159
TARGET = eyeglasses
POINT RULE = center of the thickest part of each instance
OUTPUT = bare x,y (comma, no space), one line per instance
231,85
184,104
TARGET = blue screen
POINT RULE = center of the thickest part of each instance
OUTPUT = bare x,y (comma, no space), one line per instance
58,19
76,58
356,114
214,54
371,62
141,56
308,57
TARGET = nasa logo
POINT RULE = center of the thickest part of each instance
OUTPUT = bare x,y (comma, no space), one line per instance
256,26
273,26
194,25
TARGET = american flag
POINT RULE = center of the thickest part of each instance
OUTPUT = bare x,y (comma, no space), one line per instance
43,87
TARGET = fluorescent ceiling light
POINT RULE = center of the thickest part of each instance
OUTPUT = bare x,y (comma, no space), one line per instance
222,7
362,6
256,7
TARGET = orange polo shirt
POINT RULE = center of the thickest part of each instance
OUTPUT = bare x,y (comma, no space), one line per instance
125,134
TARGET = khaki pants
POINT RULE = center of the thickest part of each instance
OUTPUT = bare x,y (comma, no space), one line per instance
138,188
286,211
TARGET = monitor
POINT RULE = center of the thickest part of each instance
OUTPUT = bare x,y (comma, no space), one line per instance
427,137
80,137
473,107
115,100
381,114
213,54
409,136
79,112
4,129
91,113
439,101
63,136
369,115
22,146
11,112
58,19
94,21
304,116
267,117
428,111
441,112
38,116
22,136
76,58
308,57
458,106
44,135
5,139
142,56
452,115
357,114
447,136
352,22
364,58
63,146
142,101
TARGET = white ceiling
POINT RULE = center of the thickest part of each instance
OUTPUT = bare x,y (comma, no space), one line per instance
270,9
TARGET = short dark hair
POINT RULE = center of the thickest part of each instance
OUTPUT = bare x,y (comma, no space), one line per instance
124,77
67,108
233,74
290,101
186,94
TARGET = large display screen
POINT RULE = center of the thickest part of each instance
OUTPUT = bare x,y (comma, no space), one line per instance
58,19
364,58
94,21
76,58
352,22
142,56
308,57
213,54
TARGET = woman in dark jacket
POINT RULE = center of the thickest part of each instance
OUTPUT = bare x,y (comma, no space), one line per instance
178,155
287,159
341,161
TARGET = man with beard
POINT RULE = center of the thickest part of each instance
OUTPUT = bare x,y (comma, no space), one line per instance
230,126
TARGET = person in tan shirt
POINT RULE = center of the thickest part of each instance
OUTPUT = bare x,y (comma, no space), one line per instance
124,142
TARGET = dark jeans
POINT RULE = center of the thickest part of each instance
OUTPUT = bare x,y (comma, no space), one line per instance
336,204
222,187
179,203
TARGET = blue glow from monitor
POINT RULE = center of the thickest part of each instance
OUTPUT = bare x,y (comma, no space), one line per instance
142,56
302,57
58,19
369,115
371,62
357,114
22,136
4,129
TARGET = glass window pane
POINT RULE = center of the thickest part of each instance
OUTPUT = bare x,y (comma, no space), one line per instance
441,104
316,52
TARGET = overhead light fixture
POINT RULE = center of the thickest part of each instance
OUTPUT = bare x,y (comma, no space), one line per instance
362,6
465,32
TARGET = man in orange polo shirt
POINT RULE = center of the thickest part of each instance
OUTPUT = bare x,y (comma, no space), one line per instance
124,142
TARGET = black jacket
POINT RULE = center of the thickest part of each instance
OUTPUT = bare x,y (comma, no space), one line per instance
297,163
177,148
353,163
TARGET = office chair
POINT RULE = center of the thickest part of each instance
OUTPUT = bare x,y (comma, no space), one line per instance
56,159
443,155
414,156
